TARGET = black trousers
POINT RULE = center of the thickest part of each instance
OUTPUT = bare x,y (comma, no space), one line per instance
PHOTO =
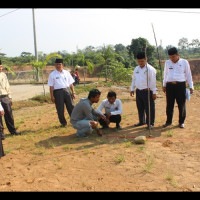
1,144
113,118
63,96
8,115
176,92
1,149
143,107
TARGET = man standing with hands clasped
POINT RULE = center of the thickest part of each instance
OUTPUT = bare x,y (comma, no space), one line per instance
176,72
60,81
139,81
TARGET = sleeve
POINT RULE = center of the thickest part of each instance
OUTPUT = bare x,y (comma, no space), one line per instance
165,75
1,108
89,112
153,80
101,106
133,82
119,110
70,79
7,87
50,80
188,75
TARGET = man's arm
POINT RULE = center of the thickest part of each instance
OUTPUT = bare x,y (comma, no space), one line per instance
188,75
165,77
51,93
132,85
73,91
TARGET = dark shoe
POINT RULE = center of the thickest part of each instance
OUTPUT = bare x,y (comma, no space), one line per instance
63,125
166,124
181,125
138,124
16,133
118,127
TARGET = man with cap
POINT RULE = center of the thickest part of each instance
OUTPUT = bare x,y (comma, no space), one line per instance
1,132
6,102
176,73
60,82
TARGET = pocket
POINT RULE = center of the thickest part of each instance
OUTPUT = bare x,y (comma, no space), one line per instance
179,69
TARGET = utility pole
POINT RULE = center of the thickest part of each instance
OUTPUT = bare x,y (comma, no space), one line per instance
35,45
34,32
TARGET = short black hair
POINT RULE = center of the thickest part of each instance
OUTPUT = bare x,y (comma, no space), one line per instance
172,51
141,55
111,94
93,93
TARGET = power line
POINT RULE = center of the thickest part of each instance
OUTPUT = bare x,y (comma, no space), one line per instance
175,11
9,12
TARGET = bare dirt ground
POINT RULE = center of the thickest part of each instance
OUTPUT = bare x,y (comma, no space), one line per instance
27,91
47,157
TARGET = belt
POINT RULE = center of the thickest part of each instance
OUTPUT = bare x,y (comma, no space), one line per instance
65,89
175,82
1,96
146,89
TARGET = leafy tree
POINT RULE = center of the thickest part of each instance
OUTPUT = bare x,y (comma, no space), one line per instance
138,45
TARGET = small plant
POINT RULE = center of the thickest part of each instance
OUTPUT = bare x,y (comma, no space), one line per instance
171,180
169,133
149,163
119,159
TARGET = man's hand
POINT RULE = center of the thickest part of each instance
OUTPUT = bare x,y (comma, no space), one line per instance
191,91
108,115
1,113
164,89
105,119
53,99
131,93
154,96
73,96
11,101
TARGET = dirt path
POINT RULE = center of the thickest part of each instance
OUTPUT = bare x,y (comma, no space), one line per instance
26,91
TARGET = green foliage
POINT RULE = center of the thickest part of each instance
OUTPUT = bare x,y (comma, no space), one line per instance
90,66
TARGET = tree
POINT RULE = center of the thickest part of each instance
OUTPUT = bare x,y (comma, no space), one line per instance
138,45
183,43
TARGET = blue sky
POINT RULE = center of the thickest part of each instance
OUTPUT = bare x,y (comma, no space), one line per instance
67,29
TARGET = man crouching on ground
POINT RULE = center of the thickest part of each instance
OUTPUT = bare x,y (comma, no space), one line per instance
84,117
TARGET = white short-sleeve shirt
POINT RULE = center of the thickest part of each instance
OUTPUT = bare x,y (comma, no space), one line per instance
60,80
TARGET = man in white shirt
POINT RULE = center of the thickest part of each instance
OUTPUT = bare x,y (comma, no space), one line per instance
60,81
176,73
142,83
113,110
1,132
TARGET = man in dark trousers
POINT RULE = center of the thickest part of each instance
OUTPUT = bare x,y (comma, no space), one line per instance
176,72
60,82
139,81
1,132
6,102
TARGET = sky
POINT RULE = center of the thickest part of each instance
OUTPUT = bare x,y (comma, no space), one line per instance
68,29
